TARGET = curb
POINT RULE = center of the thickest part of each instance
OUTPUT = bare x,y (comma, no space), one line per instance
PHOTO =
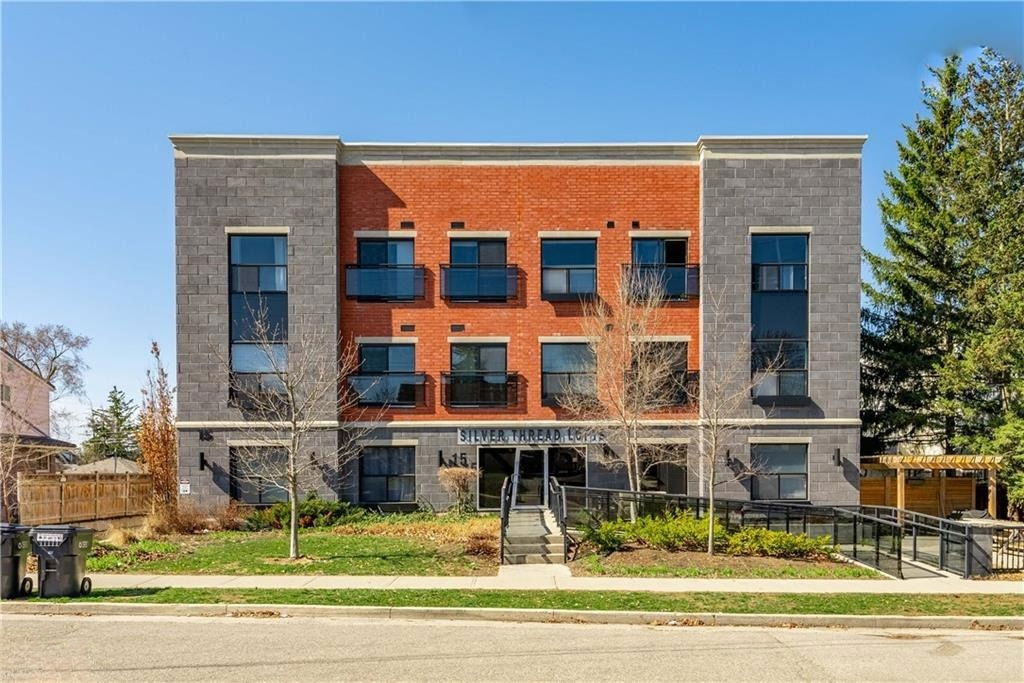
516,615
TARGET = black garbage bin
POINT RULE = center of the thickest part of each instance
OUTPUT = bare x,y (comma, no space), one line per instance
61,552
14,552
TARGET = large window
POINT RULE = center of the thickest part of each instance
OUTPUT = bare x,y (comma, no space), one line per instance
779,316
479,376
780,471
568,269
478,271
259,312
387,375
387,474
384,271
661,263
257,475
566,369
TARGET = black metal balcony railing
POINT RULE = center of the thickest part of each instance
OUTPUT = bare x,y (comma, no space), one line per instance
676,282
384,282
687,388
566,284
556,386
397,389
472,282
479,389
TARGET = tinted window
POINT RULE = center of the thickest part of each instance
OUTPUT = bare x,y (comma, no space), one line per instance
258,317
379,358
567,358
478,357
778,249
473,252
385,252
259,250
568,253
387,474
779,315
659,251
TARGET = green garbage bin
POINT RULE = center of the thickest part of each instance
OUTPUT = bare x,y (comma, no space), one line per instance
14,552
61,552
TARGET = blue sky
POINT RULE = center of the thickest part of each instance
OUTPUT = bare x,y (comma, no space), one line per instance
91,91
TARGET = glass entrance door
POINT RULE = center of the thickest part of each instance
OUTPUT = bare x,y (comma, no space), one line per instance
532,474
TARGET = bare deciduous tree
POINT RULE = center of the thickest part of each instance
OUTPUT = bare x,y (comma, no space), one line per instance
52,351
294,441
727,383
636,374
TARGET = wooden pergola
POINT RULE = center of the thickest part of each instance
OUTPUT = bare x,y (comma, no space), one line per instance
902,463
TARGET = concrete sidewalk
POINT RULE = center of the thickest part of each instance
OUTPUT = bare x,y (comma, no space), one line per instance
556,577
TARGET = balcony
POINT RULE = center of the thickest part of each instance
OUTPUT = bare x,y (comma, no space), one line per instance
391,389
677,282
689,388
568,283
384,282
480,389
471,282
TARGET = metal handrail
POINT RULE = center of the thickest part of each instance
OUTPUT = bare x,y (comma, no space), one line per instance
792,517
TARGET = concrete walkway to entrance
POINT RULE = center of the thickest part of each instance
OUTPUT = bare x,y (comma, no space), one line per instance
556,577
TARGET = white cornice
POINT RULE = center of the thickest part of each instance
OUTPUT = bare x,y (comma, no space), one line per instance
516,153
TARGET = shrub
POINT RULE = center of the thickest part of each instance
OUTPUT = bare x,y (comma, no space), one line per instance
677,531
768,543
608,536
314,512
459,482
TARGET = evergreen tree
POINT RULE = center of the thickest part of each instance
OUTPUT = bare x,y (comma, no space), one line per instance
917,309
990,197
113,429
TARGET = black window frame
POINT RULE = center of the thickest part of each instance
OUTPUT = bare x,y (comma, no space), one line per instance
266,380
757,465
387,477
791,384
569,269
410,383
552,398
262,487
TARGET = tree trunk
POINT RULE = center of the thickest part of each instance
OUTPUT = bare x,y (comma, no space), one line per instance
711,520
293,523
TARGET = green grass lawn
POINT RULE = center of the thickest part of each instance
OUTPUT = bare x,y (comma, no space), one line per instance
324,552
723,567
736,603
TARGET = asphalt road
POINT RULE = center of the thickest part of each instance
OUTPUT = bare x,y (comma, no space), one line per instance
251,649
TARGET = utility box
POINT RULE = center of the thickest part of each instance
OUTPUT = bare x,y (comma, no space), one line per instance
15,548
61,552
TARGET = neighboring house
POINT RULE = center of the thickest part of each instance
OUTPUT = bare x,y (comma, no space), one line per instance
25,415
457,269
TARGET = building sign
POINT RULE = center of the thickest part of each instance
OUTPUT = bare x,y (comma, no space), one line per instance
184,487
527,436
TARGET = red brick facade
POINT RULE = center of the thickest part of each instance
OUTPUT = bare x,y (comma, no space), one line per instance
522,200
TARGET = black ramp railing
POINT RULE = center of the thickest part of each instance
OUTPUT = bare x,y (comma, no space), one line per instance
871,540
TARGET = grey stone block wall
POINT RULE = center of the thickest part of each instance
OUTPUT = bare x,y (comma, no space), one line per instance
823,194
212,194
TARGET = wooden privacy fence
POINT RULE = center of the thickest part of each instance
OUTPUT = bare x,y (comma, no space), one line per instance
935,496
60,498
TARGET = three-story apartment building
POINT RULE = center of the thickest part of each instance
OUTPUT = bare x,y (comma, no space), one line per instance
457,273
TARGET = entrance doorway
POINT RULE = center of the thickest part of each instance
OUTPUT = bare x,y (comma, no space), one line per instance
530,467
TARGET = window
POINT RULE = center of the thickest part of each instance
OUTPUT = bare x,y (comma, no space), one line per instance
384,272
566,369
261,482
387,375
479,376
662,261
780,471
651,355
778,313
478,271
568,269
258,308
666,477
387,474
5,393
